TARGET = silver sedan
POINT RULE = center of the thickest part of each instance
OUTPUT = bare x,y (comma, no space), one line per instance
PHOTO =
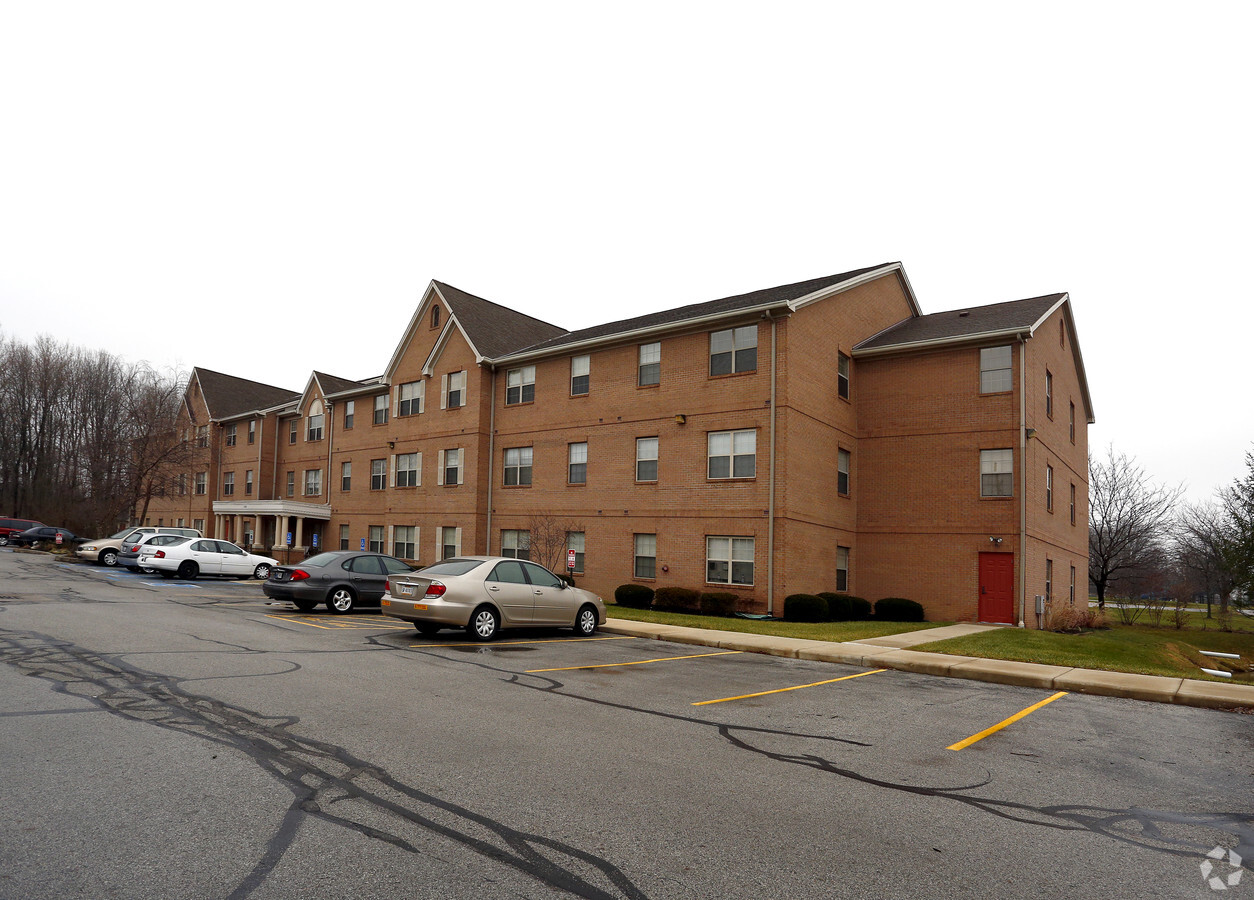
484,594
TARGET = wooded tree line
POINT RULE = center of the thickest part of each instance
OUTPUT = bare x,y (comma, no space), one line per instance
82,434
1144,541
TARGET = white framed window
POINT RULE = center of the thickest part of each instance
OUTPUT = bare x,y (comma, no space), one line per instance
202,436
516,544
734,350
409,398
313,430
646,459
1071,590
843,459
182,483
580,373
1049,580
346,476
520,385
408,469
202,478
575,541
1071,420
291,484
577,465
378,474
448,542
645,556
997,477
1049,487
199,525
344,538
376,544
842,375
252,430
729,560
248,482
405,542
518,466
842,568
449,466
230,435
381,409
350,412
293,429
649,368
732,454
228,484
995,371
1073,503
313,482
1049,393
453,390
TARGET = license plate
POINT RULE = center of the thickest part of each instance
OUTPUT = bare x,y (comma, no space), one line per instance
407,590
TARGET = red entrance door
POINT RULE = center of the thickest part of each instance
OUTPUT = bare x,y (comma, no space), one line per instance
997,584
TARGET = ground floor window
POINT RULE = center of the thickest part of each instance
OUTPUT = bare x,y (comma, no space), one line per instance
376,539
516,544
575,541
198,524
842,568
729,560
344,537
405,542
646,556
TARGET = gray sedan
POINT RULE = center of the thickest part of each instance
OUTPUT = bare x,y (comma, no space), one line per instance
342,579
484,594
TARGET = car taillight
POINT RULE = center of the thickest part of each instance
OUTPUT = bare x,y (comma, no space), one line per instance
387,585
160,554
299,575
135,549
434,589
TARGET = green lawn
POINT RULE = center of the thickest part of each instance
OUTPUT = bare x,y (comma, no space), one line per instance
1121,648
815,631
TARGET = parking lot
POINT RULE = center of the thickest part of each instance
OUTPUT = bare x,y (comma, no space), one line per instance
350,755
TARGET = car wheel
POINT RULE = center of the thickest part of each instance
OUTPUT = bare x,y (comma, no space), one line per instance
262,572
304,605
4,540
586,621
108,557
188,570
341,600
484,624
148,570
426,629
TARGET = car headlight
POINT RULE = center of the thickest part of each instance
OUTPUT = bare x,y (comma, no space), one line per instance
90,547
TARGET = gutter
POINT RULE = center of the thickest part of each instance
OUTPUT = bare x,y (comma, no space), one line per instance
491,462
1023,476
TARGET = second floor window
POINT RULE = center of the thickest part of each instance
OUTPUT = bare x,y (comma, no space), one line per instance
455,390
520,385
230,435
409,398
313,482
649,369
378,474
202,436
450,466
291,484
842,375
248,483
734,350
293,428
518,466
578,465
228,484
997,473
995,372
1049,393
346,476
200,481
646,459
314,431
843,458
407,469
252,430
1049,488
381,409
580,370
350,410
733,454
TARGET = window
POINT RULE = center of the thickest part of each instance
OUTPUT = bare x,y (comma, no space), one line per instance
842,568
516,544
230,435
407,474
346,476
449,466
650,365
518,466
732,454
646,459
182,483
997,473
248,482
252,430
404,542
202,436
201,479
1073,504
228,484
734,350
842,472
575,541
291,484
435,316
450,542
842,375
378,474
313,431
453,394
199,525
1049,487
1071,590
350,410
580,369
1071,420
995,372
344,539
376,539
1049,393
409,397
729,560
1062,330
577,469
1049,580
313,482
520,385
381,409
646,556
293,427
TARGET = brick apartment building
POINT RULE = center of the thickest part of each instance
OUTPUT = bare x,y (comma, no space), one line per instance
824,435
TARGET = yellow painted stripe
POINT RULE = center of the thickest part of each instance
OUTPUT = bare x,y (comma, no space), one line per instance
639,662
795,687
578,640
962,745
299,621
336,623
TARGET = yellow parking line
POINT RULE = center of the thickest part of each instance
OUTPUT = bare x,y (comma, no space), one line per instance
340,624
962,745
639,662
579,640
795,687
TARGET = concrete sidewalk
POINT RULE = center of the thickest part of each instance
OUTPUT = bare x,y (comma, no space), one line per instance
891,652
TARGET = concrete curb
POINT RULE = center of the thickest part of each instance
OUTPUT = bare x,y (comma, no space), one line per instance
1153,688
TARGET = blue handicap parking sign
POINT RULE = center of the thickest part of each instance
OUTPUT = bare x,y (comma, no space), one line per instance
363,543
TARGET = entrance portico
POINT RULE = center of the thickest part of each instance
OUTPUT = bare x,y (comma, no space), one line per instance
272,521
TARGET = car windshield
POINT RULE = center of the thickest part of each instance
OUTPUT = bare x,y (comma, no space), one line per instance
452,567
320,559
135,535
121,534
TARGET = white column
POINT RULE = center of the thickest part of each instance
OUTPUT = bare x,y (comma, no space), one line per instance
300,532
237,533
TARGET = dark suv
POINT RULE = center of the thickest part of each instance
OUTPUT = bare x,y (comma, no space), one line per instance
13,526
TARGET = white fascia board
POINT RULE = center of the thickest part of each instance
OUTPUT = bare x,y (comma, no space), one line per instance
1049,312
309,391
865,278
272,508
1016,333
367,387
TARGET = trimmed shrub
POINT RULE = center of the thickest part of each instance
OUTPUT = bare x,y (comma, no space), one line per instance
718,603
636,596
1075,619
898,609
839,609
859,609
805,608
676,599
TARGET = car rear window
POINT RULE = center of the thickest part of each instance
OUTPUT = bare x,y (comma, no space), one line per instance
452,567
321,559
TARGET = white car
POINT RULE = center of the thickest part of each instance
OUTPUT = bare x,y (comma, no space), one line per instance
204,556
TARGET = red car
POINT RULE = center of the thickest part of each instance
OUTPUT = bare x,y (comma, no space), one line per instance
10,526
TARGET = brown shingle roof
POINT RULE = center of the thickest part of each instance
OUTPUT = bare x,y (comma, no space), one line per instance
226,395
334,385
964,324
494,330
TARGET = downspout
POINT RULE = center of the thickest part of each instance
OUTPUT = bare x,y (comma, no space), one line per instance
216,455
1023,477
770,503
330,480
491,462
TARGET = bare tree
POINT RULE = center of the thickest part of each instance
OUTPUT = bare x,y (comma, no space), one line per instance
1128,524
1238,507
549,539
1200,552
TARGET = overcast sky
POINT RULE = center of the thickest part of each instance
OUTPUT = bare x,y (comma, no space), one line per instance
267,188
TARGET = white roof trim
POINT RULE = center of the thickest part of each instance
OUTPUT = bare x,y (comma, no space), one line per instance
866,277
272,508
943,342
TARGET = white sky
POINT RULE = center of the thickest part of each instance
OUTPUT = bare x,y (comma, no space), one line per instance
267,188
